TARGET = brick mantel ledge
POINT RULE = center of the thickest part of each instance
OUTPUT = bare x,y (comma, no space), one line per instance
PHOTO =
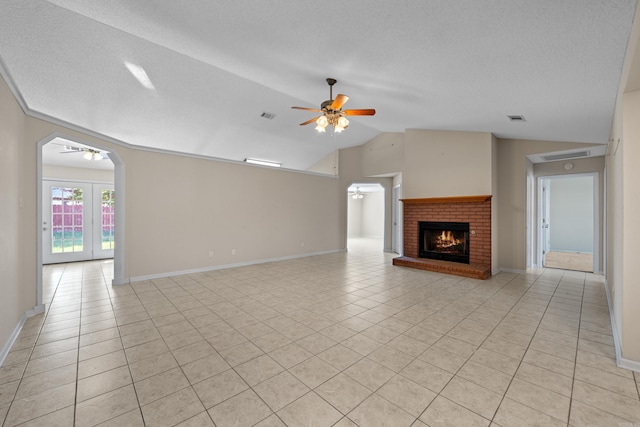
454,199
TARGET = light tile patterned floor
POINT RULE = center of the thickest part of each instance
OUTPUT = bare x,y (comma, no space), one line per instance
344,339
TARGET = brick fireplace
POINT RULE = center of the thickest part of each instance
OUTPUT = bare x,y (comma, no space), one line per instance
474,210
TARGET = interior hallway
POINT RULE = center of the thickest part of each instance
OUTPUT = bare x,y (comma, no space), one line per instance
343,339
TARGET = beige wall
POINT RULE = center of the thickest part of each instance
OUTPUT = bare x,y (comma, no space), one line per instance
383,155
327,165
77,174
630,333
17,284
443,164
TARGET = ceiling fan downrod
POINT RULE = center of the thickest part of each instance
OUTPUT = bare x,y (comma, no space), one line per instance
331,82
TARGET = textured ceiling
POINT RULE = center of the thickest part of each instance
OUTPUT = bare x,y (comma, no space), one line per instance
216,66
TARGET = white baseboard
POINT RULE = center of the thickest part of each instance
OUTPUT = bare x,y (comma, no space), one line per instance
115,282
620,361
511,270
16,331
632,365
222,267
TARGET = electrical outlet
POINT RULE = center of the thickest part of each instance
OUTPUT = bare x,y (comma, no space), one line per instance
233,251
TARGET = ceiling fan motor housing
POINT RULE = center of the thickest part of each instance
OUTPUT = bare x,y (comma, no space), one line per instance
326,104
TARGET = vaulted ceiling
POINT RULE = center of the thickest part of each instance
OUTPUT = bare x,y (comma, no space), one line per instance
216,66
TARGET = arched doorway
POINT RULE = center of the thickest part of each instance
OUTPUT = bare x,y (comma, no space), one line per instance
365,217
108,201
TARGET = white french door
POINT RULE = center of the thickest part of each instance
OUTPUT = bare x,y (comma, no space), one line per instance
78,221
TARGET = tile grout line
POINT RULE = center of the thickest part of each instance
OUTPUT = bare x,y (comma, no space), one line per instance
575,363
113,310
75,394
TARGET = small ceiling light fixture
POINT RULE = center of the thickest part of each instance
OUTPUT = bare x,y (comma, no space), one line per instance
568,166
140,74
357,194
263,162
93,155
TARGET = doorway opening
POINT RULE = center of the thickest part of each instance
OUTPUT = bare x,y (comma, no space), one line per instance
78,202
568,221
80,208
365,217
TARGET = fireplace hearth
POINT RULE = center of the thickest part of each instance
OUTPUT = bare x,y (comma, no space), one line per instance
447,241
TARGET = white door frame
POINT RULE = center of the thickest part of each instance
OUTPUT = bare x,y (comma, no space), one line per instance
596,216
397,223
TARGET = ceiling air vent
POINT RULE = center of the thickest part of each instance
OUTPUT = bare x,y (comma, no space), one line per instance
565,156
517,118
266,115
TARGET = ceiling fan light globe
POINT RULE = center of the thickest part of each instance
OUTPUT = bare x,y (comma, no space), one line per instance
322,121
343,122
321,128
88,155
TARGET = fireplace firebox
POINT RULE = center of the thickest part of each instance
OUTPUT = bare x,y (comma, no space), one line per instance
447,241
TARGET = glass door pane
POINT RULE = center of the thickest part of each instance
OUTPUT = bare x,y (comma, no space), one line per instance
104,221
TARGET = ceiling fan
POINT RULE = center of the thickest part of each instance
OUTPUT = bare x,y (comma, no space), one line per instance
356,194
89,153
332,112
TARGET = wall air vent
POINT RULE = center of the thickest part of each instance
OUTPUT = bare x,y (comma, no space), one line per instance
517,118
565,156
266,115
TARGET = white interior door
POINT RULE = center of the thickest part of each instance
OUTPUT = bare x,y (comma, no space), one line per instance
545,231
78,221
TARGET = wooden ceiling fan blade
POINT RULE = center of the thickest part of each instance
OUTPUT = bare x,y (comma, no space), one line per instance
339,101
306,109
309,121
361,112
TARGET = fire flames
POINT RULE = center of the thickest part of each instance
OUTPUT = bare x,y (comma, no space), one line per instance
446,240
